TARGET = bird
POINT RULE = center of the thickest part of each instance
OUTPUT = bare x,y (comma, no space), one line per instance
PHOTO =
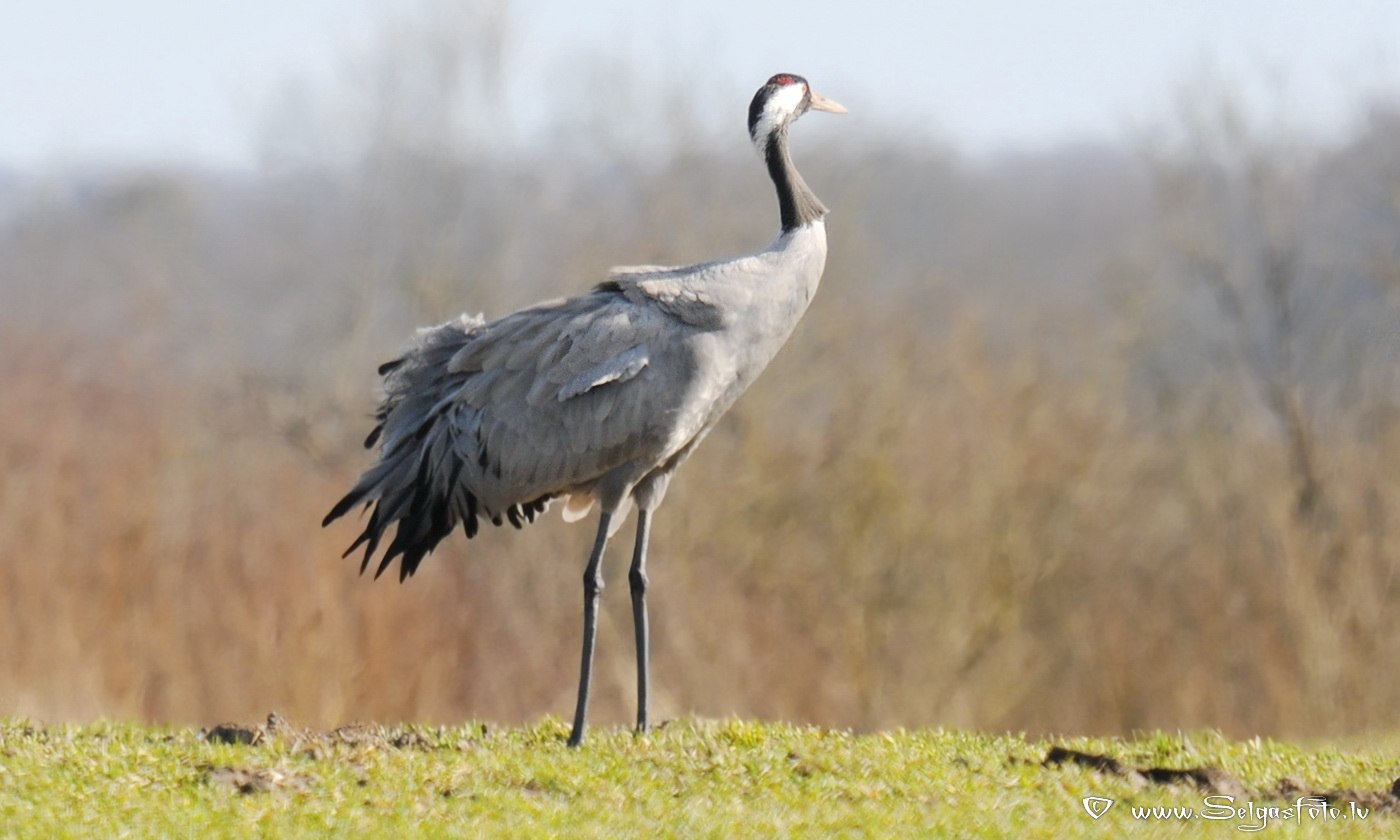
592,400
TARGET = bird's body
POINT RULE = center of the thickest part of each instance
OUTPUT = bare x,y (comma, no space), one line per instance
590,399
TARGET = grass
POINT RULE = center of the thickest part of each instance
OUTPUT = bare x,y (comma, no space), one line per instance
692,778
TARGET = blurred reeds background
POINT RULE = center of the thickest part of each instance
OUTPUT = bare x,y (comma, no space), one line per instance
1094,440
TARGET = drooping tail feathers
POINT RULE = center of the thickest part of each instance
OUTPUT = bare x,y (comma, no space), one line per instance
422,480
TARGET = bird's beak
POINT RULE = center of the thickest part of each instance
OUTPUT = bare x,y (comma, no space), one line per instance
821,103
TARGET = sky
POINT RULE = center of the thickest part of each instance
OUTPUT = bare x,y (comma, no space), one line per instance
153,81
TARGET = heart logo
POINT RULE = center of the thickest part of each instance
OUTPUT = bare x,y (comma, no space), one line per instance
1097,806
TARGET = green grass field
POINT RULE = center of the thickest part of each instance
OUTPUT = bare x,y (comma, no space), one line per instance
692,778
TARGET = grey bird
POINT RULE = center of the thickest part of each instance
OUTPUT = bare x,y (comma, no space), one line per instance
594,399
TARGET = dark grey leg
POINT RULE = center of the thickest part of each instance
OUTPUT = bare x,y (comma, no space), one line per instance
592,588
637,578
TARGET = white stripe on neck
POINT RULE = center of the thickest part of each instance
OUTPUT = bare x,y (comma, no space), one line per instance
781,107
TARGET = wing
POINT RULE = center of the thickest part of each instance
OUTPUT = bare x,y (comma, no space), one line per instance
494,420
550,386
679,292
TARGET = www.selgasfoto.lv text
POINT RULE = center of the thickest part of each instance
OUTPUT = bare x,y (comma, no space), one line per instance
1254,817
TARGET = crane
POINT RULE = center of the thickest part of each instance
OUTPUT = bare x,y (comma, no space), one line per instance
589,400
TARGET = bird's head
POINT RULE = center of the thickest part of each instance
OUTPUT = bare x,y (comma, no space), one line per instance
783,99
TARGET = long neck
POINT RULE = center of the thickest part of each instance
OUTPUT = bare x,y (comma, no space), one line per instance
796,202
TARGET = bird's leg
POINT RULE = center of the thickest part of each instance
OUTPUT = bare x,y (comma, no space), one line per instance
637,579
592,587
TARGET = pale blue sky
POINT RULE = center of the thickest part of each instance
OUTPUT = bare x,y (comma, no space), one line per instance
166,80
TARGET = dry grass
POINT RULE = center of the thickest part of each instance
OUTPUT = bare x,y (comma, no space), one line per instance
921,532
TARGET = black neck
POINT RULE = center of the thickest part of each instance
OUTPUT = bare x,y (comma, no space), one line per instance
796,202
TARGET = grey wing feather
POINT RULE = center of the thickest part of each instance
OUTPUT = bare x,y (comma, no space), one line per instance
619,368
679,292
623,272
